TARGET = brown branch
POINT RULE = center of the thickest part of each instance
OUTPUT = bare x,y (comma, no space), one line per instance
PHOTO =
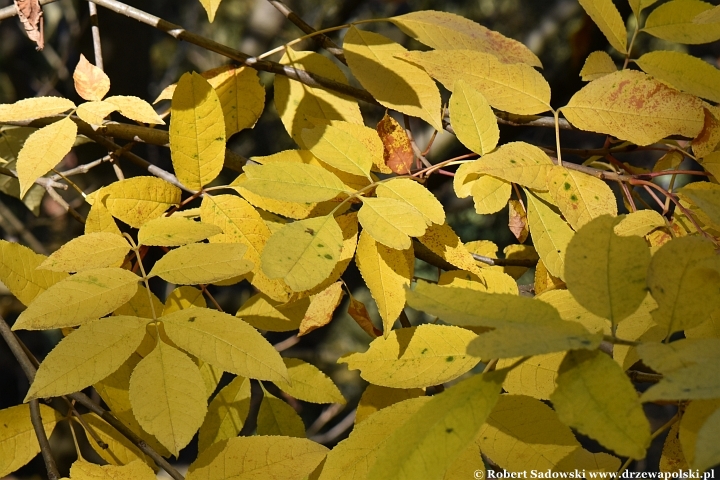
322,39
643,377
95,28
505,262
36,419
66,206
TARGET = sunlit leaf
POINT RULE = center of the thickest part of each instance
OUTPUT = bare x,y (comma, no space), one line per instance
18,272
674,21
551,235
597,64
91,83
18,442
202,263
139,199
684,72
606,16
175,231
472,119
31,108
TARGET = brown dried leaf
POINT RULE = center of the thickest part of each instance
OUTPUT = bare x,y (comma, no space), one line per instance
31,16
357,310
91,83
398,152
518,220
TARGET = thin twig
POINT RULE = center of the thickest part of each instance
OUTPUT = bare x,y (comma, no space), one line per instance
340,428
505,262
15,227
643,377
95,28
42,181
66,206
322,39
620,341
37,423
287,343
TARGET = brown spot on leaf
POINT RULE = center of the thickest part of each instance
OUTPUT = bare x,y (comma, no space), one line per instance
398,152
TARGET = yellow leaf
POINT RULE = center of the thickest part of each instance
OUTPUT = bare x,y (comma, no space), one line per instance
352,458
31,108
544,281
18,442
394,83
672,458
79,298
139,199
447,31
710,328
706,196
225,342
120,450
673,21
286,458
415,357
91,83
202,263
666,358
94,113
597,64
278,418
241,223
639,223
470,459
139,305
386,272
486,280
298,104
490,194
94,250
708,16
339,149
519,322
684,72
416,196
211,376
115,392
570,310
606,16
707,450
87,355
321,309
516,162
606,273
633,106
241,96
43,150
579,196
308,383
523,434
167,394
197,132
551,235
99,219
535,377
442,241
709,138
226,413
182,298
595,397
263,313
376,398
472,119
697,416
293,182
175,231
637,327
135,470
679,272
211,7
18,272
516,88
391,221
398,154
428,443
639,5
303,253
581,459
135,108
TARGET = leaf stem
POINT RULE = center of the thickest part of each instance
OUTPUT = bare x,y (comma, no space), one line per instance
136,249
556,114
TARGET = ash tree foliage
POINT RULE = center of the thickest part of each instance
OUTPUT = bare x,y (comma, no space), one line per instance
611,290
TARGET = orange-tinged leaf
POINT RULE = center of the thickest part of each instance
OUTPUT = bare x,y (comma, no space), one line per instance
516,88
517,220
197,132
386,272
87,355
473,120
398,152
321,309
31,108
415,357
447,31
633,106
168,396
135,108
139,199
684,72
266,457
226,342
606,16
91,83
18,442
43,150
298,104
597,64
709,138
79,298
674,21
359,313
18,272
393,82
